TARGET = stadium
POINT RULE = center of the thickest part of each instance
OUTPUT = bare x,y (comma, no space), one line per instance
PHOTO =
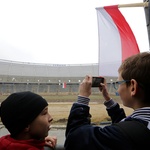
46,79
43,78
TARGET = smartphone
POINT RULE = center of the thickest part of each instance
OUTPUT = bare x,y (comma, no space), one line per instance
96,81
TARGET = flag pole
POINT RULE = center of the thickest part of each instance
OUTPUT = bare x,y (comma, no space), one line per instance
144,4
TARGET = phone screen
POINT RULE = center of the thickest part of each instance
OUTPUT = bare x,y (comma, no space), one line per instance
96,81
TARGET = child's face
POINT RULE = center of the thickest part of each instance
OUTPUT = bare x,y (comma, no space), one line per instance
39,128
124,92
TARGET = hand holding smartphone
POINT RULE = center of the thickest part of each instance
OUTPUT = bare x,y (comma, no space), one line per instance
96,81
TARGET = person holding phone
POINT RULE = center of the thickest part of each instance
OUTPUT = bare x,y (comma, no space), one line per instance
126,132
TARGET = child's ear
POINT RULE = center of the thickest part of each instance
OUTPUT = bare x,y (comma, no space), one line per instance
134,87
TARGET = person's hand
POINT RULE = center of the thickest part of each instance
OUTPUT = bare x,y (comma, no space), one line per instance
51,141
103,89
85,86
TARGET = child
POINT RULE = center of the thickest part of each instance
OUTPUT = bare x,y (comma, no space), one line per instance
26,117
125,133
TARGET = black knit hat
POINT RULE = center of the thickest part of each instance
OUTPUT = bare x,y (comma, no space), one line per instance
18,110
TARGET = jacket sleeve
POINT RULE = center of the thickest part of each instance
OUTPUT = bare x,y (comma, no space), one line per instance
79,115
81,135
116,113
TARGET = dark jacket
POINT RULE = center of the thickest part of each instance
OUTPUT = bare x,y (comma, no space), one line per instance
81,135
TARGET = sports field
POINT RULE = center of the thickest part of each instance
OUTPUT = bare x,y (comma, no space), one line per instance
59,107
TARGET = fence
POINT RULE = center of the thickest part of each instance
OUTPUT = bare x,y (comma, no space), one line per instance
6,88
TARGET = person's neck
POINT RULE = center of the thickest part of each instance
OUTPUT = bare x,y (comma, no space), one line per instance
24,136
21,136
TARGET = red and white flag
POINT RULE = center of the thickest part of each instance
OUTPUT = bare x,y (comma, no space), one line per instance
64,85
116,40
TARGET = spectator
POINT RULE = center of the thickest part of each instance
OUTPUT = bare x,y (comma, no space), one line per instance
125,133
25,115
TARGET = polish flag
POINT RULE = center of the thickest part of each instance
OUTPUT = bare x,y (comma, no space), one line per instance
64,85
116,40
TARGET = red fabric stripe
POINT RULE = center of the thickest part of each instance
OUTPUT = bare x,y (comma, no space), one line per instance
128,41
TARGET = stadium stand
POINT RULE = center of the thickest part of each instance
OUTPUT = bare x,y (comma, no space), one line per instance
43,78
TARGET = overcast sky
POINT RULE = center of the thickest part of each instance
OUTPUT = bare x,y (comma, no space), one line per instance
59,31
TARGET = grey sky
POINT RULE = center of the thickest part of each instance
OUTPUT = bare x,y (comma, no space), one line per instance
59,31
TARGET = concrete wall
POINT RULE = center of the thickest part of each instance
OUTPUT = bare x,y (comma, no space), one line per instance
44,78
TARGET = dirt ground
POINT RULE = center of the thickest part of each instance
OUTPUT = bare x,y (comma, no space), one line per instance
60,105
60,112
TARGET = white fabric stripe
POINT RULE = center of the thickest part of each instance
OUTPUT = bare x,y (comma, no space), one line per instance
110,52
83,100
148,126
142,113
